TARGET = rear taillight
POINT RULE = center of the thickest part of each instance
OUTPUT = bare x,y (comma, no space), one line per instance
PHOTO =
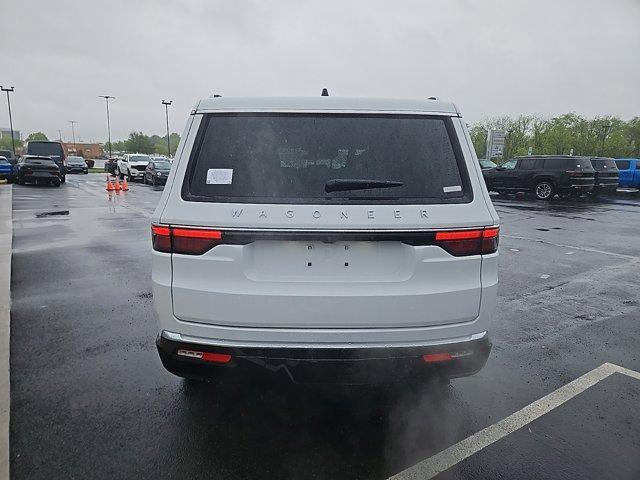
206,356
460,243
187,241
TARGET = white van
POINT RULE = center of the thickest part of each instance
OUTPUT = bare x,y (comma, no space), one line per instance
328,239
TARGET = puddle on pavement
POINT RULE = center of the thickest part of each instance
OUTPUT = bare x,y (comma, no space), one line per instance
52,214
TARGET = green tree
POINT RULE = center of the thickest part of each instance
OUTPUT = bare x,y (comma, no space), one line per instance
5,143
37,137
138,142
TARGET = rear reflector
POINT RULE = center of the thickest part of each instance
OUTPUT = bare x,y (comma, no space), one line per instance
460,243
186,241
437,357
206,356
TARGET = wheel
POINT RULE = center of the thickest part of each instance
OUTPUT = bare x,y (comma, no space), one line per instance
544,190
63,179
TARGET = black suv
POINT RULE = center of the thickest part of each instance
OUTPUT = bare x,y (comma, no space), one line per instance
543,175
607,175
53,150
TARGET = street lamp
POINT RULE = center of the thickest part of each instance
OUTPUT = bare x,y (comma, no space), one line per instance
13,143
166,111
107,97
73,135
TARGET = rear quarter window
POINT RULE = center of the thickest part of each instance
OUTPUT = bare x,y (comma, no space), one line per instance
623,164
288,158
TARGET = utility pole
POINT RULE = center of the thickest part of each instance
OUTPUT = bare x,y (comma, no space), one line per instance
107,97
60,135
166,111
13,143
73,135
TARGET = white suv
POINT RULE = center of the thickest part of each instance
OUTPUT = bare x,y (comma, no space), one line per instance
333,240
133,166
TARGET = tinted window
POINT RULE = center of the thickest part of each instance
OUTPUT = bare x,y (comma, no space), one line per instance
623,164
527,164
603,163
139,158
290,157
162,165
3,161
510,165
48,149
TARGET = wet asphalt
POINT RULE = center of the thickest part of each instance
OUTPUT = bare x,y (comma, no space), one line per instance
91,400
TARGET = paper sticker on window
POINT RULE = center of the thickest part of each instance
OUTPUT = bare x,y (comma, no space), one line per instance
453,188
219,176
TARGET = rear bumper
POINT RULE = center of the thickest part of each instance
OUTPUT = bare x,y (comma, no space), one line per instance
353,366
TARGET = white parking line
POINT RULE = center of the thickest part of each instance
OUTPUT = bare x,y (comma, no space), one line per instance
462,450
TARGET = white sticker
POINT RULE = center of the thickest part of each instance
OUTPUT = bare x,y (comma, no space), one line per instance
219,176
454,188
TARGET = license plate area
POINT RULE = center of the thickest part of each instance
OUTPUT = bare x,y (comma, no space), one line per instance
303,261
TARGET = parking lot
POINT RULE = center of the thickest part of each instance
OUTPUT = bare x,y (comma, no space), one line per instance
90,399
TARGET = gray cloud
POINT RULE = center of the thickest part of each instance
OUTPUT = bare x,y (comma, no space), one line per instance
491,57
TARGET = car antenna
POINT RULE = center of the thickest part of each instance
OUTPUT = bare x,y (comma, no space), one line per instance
325,93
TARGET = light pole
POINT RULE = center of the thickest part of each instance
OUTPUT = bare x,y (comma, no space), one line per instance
60,135
13,143
107,97
166,111
73,135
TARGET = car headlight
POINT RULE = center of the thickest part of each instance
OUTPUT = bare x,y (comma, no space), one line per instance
159,174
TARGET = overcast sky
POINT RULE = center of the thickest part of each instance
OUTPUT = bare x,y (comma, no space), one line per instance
491,57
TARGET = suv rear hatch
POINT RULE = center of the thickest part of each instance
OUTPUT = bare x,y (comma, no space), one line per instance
316,220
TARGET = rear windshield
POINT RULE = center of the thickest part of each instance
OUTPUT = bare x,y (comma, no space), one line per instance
3,161
49,149
604,163
279,158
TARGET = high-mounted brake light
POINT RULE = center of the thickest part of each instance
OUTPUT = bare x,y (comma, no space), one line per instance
186,241
461,243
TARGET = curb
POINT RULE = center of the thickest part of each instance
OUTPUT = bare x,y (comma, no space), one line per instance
6,235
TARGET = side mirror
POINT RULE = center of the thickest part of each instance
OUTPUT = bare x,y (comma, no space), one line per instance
500,169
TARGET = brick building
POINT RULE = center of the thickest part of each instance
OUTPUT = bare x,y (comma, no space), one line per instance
86,150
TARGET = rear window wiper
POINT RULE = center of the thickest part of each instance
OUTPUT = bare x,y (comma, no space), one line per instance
342,184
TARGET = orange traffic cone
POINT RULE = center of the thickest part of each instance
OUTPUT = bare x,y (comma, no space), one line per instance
117,185
125,185
109,186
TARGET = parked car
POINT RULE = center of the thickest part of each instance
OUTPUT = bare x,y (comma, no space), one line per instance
629,169
328,239
161,157
37,169
76,165
133,166
54,150
545,176
607,175
6,169
8,154
157,172
485,164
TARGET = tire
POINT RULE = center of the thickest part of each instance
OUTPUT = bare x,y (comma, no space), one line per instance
544,190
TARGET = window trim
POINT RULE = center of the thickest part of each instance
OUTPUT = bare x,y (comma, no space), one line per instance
467,189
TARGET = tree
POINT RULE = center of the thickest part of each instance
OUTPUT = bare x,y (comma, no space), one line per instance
37,137
138,142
